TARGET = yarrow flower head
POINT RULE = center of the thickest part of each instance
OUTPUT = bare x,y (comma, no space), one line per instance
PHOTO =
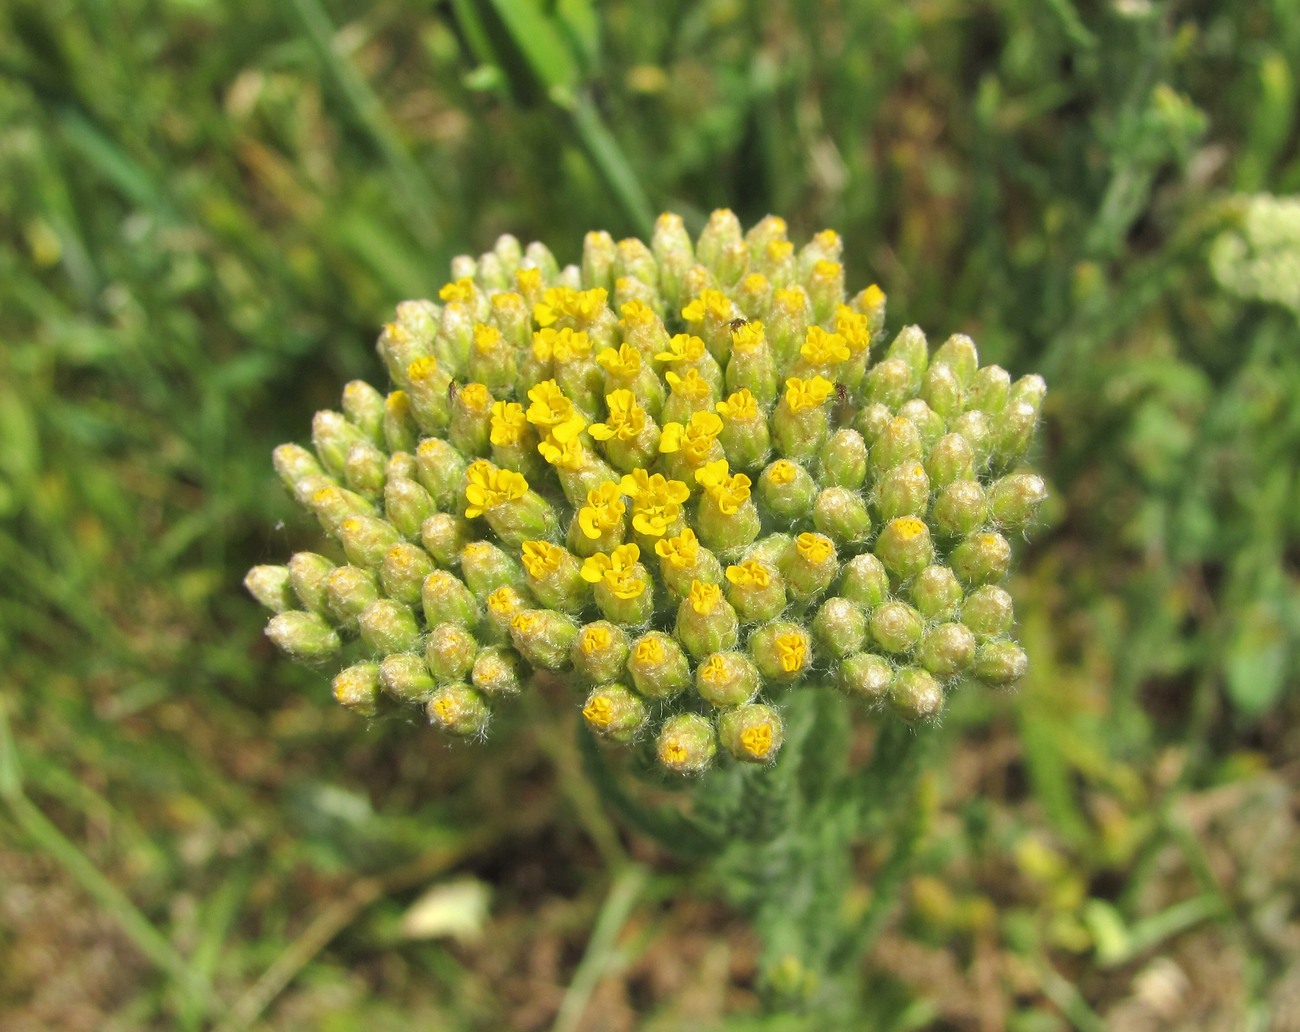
689,477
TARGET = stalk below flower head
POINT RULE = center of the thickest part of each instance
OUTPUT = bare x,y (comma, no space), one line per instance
689,478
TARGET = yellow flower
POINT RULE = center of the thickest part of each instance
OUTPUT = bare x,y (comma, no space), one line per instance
421,368
729,491
582,306
626,418
637,313
650,651
692,386
509,424
710,303
540,558
694,440
741,407
749,574
807,394
475,397
595,638
656,501
617,570
782,472
564,454
685,347
489,487
528,281
487,339
553,413
715,669
680,551
625,361
748,337
704,597
827,240
462,290
823,349
791,300
814,548
603,512
562,345
792,649
827,269
757,740
504,602
854,328
779,250
599,711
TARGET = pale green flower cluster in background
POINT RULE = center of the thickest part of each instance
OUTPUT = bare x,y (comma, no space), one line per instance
1260,258
687,478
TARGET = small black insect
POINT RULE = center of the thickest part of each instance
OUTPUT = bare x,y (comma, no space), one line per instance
453,388
736,324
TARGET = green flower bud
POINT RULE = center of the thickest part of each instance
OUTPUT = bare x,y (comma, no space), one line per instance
981,558
553,574
271,586
897,443
888,383
787,490
364,408
904,547
449,652
840,627
946,650
801,419
942,390
752,733
1031,390
496,671
870,422
303,636
744,439
844,460
726,525
445,599
936,593
400,430
471,419
915,695
910,347
782,651
440,468
896,627
367,539
635,260
809,566
407,506
974,425
722,229
989,390
1014,500
960,509
726,679
600,651
403,571
752,366
958,354
388,626
332,435
686,744
865,581
614,712
400,464
357,688
456,334
398,346
333,505
825,288
788,320
658,666
502,607
365,469
309,575
866,676
706,622
295,464
543,637
598,258
842,516
349,591
988,612
1000,663
903,491
929,424
484,567
458,710
444,536
950,460
1013,429
404,677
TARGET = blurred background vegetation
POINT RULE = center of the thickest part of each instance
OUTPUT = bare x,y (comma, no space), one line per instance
206,211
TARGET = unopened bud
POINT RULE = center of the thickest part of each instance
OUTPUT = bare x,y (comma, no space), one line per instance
332,435
349,591
687,744
989,390
896,627
309,575
946,650
988,611
543,637
865,581
840,627
916,695
752,733
365,469
407,506
897,443
440,468
1014,500
445,599
449,652
403,571
958,353
866,676
357,688
787,491
388,626
496,671
444,536
1012,431
706,622
405,677
950,460
903,491
942,390
600,651
844,460
904,547
936,593
888,383
960,509
367,539
303,636
485,567
842,515
271,586
981,558
1000,663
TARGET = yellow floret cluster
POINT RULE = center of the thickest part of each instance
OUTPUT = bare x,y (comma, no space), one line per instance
673,481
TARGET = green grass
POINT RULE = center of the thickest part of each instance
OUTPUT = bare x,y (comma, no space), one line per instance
207,210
